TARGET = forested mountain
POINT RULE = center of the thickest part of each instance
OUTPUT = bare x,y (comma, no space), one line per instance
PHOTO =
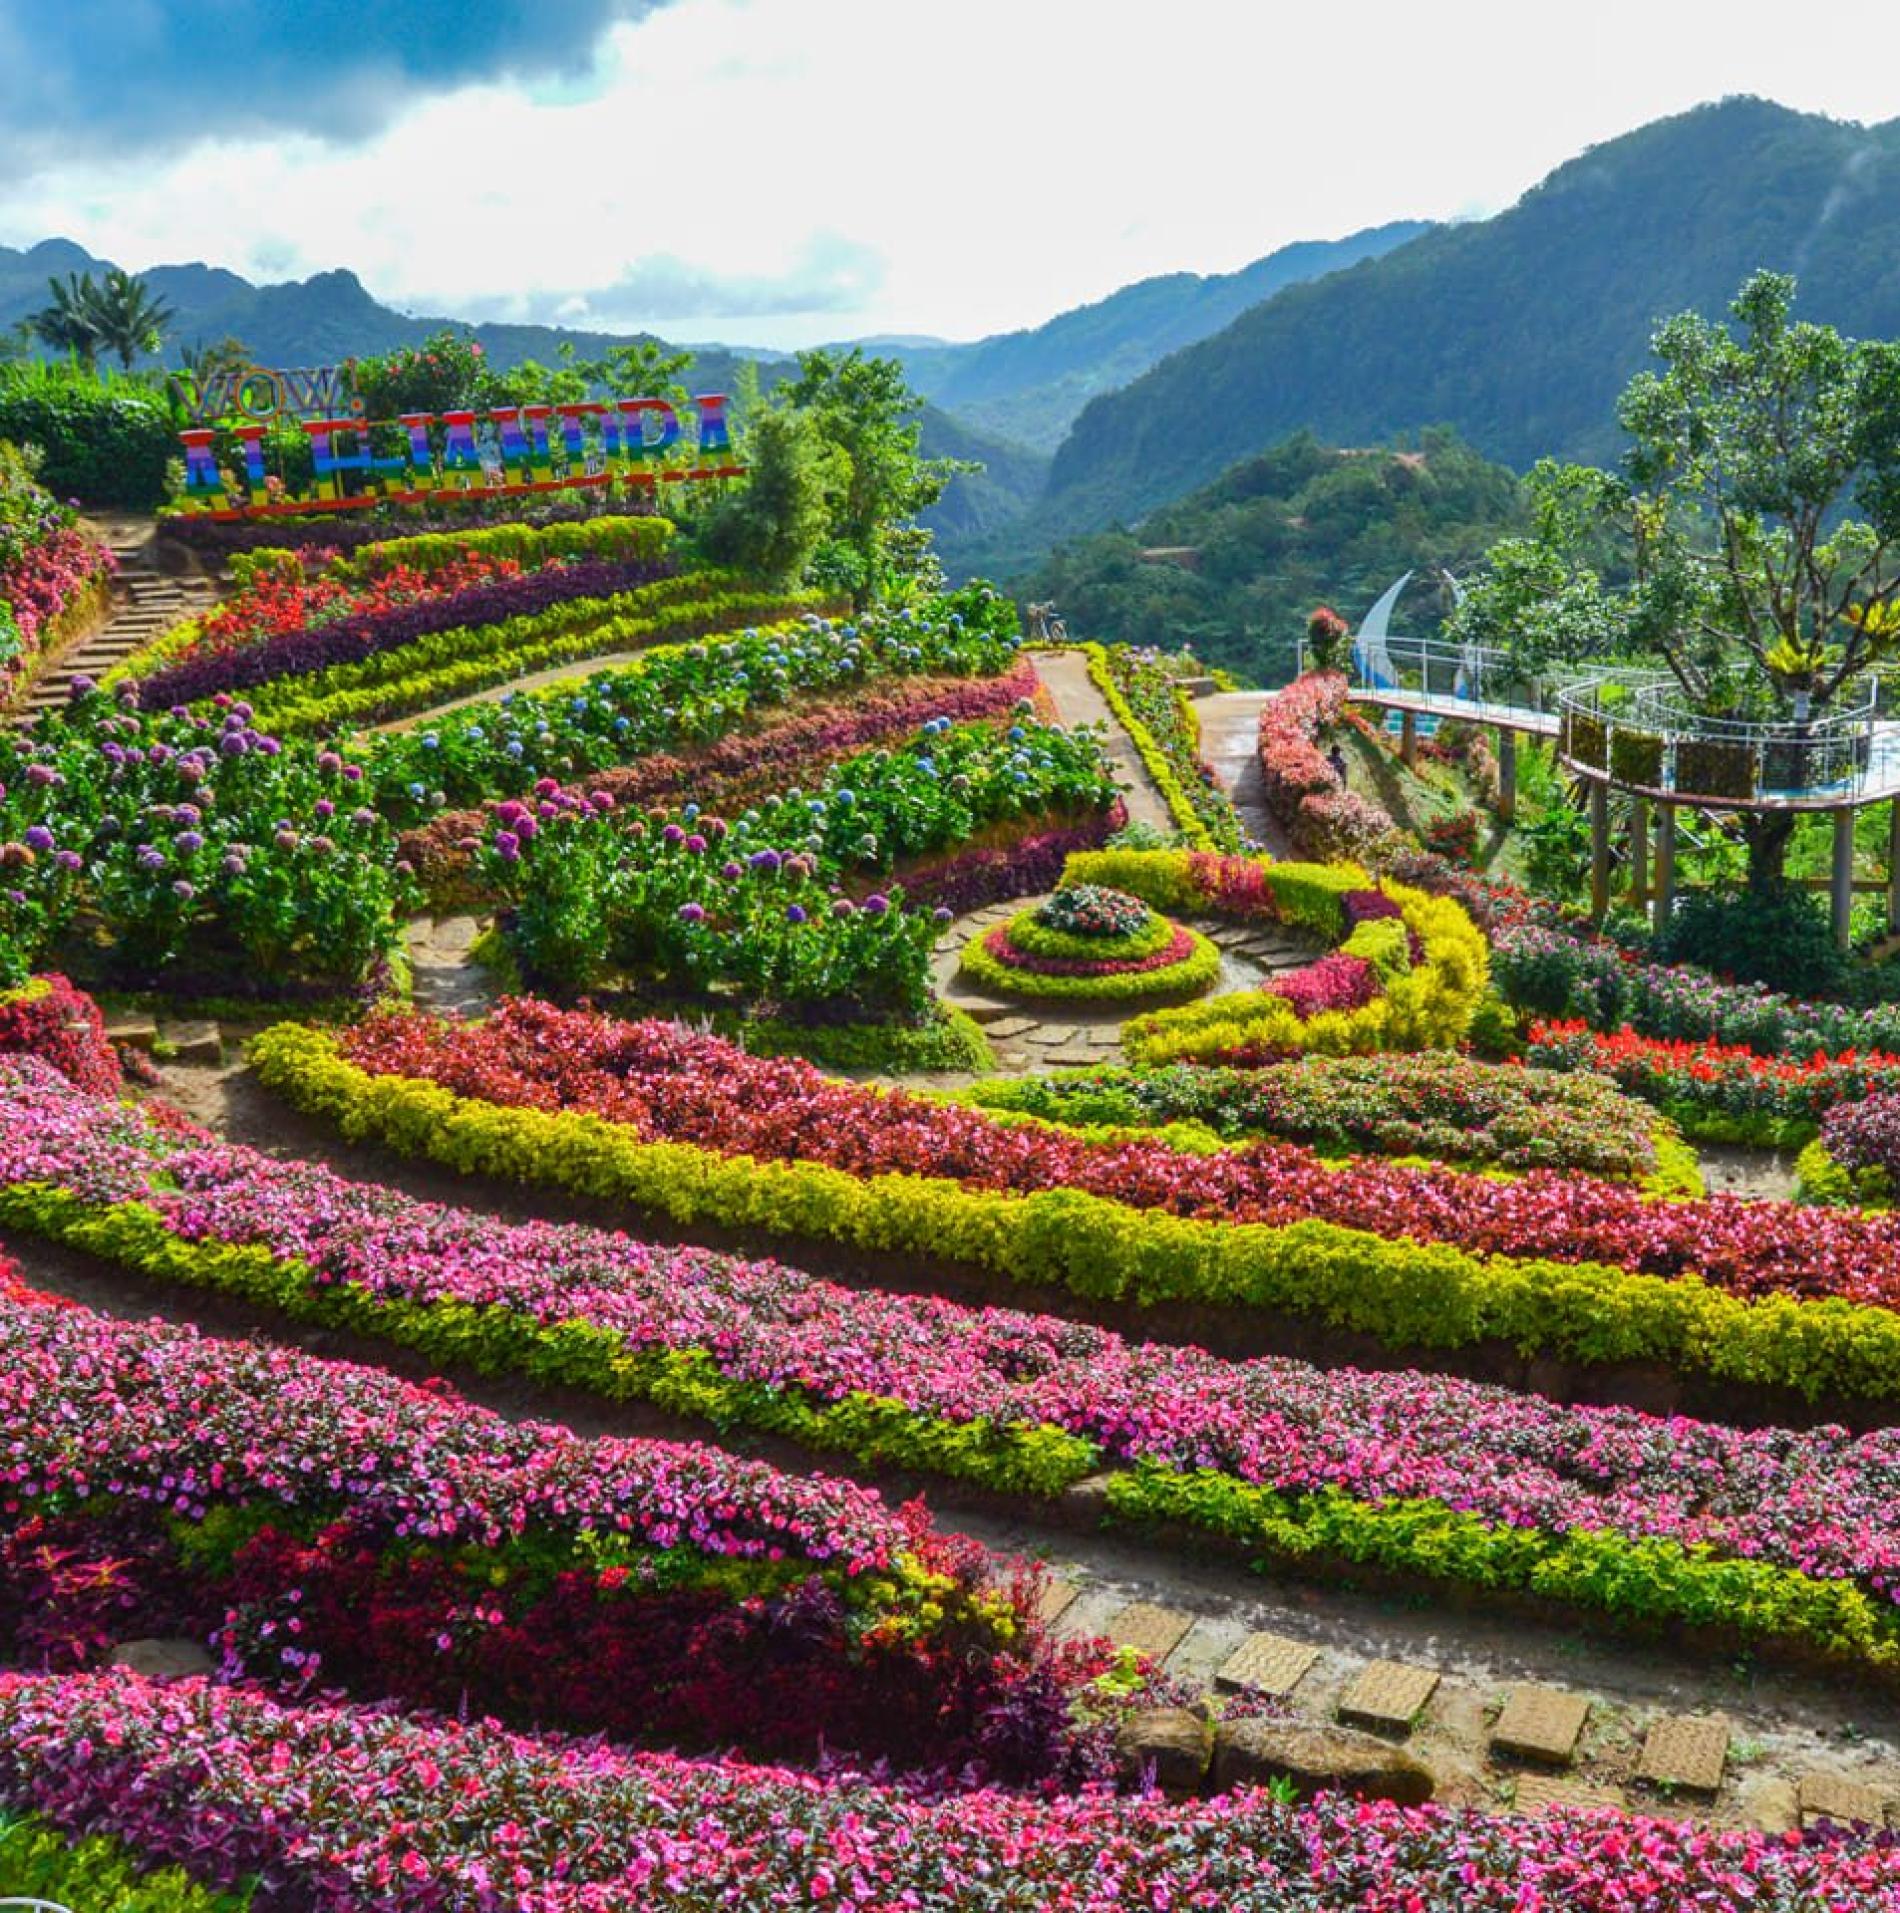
1519,330
1234,568
1029,385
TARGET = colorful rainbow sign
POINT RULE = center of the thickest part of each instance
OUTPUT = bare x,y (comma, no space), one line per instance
458,456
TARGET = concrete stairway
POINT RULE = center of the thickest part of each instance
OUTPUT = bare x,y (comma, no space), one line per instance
147,602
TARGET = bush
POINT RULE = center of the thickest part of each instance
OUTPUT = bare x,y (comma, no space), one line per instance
1780,936
104,444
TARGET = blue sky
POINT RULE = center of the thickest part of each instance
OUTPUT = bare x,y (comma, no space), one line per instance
784,171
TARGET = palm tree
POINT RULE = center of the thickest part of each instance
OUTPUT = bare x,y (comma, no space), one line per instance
129,319
71,322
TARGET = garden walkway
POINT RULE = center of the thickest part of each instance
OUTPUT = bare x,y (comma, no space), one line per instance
1065,674
1230,724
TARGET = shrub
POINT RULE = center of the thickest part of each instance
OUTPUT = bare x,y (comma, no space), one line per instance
1780,936
104,443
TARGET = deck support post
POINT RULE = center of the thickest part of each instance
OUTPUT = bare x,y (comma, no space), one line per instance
1507,775
1408,739
1663,901
1599,850
1893,868
1843,883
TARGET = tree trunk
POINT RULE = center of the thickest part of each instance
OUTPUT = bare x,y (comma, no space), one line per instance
1767,834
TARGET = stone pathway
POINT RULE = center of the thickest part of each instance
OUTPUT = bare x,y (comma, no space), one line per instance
1489,1738
147,602
446,981
1031,1037
578,668
1230,723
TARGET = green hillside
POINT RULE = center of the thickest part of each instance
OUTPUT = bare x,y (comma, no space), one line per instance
1028,386
1234,568
1519,330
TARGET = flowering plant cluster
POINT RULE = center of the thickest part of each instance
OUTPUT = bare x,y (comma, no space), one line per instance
672,1086
797,746
1428,968
1240,889
1434,1104
1778,1533
48,1018
190,837
338,1806
1556,973
47,564
1142,688
1719,1089
676,699
1865,1136
1092,910
1323,820
1025,958
689,902
286,626
326,1526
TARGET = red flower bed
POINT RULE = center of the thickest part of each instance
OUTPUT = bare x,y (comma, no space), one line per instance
671,1085
1336,982
52,1019
1177,950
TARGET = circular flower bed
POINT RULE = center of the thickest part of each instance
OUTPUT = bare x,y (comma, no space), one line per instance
1092,943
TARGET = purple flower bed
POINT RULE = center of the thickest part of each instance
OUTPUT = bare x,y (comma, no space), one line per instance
350,640
342,1808
996,873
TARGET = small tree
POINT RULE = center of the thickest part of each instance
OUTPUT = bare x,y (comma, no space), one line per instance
1755,525
771,525
71,323
867,411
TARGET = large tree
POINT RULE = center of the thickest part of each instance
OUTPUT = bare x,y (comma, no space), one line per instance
1751,539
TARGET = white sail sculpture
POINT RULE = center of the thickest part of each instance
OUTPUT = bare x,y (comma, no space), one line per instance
1369,655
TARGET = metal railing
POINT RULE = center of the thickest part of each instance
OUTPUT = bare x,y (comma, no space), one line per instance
1637,730
1431,669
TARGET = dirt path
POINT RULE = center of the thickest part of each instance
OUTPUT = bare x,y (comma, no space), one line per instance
1230,722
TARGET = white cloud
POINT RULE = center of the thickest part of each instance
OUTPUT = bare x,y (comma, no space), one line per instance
814,168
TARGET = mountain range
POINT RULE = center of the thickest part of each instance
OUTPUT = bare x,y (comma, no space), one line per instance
1518,331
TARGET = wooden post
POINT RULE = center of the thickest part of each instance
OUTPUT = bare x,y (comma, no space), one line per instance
1507,775
1639,851
1843,885
1408,739
1599,849
1665,895
1893,868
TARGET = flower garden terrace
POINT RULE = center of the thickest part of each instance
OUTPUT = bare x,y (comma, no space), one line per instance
1058,1299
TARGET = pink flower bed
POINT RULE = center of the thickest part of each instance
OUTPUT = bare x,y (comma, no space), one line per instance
1817,1502
1335,982
1325,821
671,1085
341,1808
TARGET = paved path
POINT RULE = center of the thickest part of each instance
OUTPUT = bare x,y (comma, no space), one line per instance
1077,701
1230,723
494,693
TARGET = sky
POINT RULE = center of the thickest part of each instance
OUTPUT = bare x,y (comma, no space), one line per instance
785,172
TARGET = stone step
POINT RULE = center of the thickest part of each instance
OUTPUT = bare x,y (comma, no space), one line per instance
1269,1664
1845,1802
1540,1723
1686,1751
1148,1629
1388,1696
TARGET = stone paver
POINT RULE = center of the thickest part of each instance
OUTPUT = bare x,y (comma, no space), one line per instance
196,1043
133,1032
1538,1793
1154,1631
1687,1751
1388,1694
1540,1723
1271,1663
1008,1026
1057,1597
1835,1797
1105,1039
